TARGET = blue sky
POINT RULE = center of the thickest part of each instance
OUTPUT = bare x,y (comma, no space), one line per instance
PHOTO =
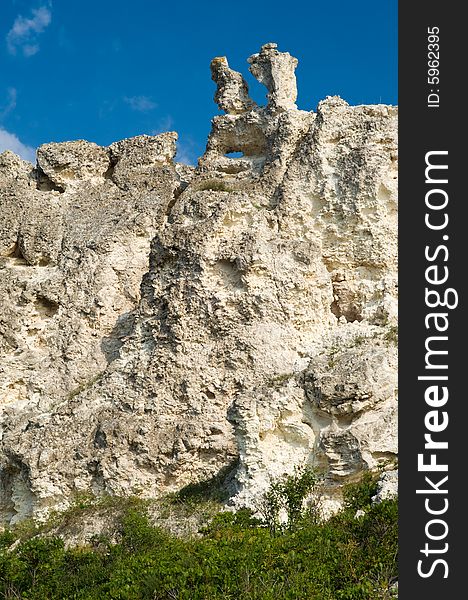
103,70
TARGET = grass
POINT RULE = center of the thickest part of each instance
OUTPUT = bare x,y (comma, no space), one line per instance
235,557
214,185
392,335
85,385
278,380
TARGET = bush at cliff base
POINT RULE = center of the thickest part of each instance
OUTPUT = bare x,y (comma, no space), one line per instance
236,557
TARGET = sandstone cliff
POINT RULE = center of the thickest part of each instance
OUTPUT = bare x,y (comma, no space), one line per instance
161,323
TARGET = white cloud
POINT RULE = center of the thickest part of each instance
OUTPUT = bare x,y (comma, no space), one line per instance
140,103
186,149
10,105
165,124
30,50
9,141
23,34
186,152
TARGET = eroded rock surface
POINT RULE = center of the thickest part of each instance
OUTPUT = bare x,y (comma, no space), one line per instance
162,324
276,71
232,91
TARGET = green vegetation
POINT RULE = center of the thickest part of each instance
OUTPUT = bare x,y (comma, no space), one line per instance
85,385
235,557
279,380
392,334
359,340
214,185
333,354
291,494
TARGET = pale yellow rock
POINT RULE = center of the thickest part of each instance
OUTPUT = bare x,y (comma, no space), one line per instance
276,71
160,325
66,163
232,91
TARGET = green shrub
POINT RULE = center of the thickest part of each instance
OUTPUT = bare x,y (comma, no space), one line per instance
214,185
7,538
358,496
235,557
288,493
240,520
138,534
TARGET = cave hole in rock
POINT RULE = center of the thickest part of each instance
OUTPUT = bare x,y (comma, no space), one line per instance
15,255
46,307
109,172
229,274
100,438
234,155
350,312
45,184
15,252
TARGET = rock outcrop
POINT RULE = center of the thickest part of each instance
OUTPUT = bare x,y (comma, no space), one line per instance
161,324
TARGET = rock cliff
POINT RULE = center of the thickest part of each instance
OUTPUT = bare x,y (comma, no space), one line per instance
161,324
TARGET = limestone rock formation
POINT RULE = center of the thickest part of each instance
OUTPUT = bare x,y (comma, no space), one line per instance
161,324
232,91
276,71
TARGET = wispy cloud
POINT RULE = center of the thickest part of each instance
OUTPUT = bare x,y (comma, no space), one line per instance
140,103
186,152
25,30
9,141
164,124
186,147
10,105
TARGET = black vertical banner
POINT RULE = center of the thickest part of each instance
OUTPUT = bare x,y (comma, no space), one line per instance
433,234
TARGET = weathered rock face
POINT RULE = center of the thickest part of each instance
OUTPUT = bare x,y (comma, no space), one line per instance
161,324
276,71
